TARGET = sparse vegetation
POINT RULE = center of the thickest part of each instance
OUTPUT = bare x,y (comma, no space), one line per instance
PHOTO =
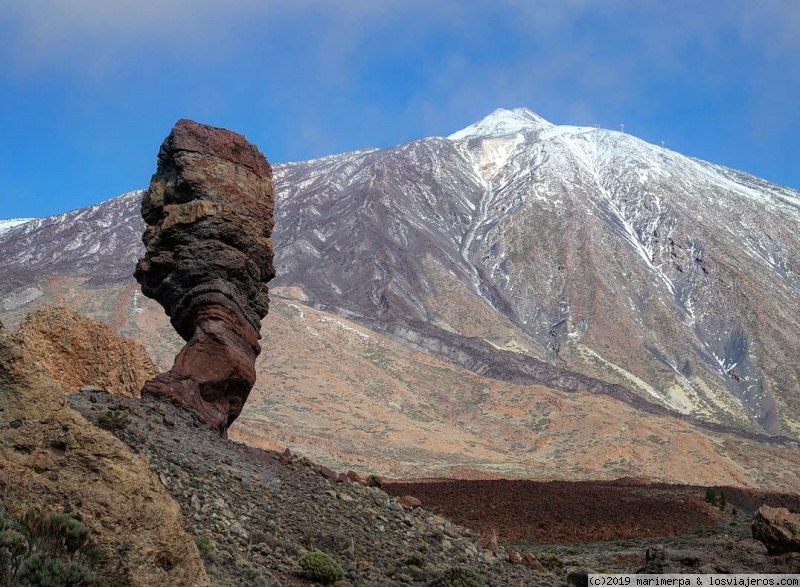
321,567
113,421
416,559
550,561
716,499
46,550
205,545
374,481
457,577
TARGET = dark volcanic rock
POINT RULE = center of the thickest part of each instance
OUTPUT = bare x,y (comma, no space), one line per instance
209,215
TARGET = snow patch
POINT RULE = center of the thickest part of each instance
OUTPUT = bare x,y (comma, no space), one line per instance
6,225
343,326
502,122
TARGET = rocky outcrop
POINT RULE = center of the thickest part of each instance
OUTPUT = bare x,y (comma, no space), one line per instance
715,557
78,351
778,529
52,458
209,215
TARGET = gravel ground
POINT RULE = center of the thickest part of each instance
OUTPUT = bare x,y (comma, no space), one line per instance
253,515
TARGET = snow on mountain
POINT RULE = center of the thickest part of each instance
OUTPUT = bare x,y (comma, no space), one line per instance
606,253
104,238
588,248
503,122
6,225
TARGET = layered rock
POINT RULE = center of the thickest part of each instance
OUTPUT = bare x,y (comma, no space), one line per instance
209,215
54,459
78,351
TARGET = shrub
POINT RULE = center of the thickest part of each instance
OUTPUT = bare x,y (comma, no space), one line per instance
37,571
113,421
46,550
416,559
550,561
13,548
457,577
205,545
374,481
711,496
321,567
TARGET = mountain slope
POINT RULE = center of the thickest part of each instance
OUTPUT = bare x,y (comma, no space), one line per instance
587,249
590,248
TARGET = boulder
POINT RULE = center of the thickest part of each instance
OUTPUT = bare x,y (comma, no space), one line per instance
355,477
329,473
489,543
514,557
410,502
209,216
530,561
85,355
578,578
777,528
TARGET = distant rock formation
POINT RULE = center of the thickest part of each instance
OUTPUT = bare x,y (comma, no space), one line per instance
777,528
209,215
78,351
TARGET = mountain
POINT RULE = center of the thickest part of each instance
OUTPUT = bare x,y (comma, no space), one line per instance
11,223
588,248
454,298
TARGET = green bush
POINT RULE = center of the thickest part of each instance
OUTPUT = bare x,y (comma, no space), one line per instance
46,550
205,545
416,559
457,577
37,571
321,567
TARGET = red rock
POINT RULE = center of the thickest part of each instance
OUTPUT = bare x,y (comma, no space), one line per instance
209,215
514,557
489,542
452,531
778,529
530,561
410,502
328,473
355,477
344,479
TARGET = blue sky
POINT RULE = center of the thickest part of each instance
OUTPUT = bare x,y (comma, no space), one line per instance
90,88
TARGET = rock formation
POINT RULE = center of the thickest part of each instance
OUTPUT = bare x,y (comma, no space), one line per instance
54,459
78,351
209,215
777,528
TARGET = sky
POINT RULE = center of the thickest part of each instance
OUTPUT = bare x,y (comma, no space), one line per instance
90,88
